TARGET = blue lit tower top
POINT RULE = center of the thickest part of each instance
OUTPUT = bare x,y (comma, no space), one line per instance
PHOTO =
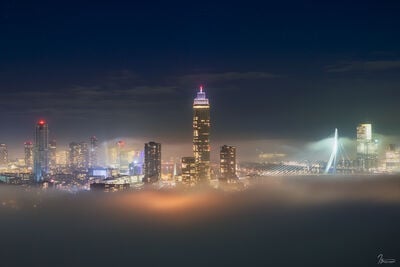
201,98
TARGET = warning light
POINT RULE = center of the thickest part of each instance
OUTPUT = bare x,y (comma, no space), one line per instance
42,122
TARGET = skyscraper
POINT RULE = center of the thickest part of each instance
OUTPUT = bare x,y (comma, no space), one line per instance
3,155
78,155
41,151
62,158
28,154
52,154
152,162
201,136
367,148
392,158
228,163
93,152
73,155
84,155
188,166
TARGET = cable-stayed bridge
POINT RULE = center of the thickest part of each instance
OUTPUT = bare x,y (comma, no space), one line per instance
338,163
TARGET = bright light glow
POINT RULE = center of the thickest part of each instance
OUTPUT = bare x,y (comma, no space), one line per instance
42,122
332,159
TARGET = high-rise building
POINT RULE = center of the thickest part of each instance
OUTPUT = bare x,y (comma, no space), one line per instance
28,154
124,157
62,158
78,155
93,152
367,148
152,162
201,136
73,155
188,166
227,163
52,154
3,155
392,158
84,155
41,151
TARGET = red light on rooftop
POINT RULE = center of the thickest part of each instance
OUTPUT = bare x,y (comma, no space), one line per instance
42,122
201,88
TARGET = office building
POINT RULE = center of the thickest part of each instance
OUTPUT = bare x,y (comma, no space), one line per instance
392,158
28,154
367,148
188,167
93,162
62,158
152,162
228,163
52,154
41,151
78,155
3,155
201,136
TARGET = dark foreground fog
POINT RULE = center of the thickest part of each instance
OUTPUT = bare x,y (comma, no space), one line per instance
309,221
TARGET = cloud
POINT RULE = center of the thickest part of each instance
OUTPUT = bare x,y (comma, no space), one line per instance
364,66
122,91
79,100
227,76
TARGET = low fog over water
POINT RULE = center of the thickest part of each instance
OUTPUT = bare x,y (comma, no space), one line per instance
276,221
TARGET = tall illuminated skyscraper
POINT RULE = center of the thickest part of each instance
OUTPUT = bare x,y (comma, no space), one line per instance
93,152
228,163
201,136
152,162
28,154
367,148
3,155
41,151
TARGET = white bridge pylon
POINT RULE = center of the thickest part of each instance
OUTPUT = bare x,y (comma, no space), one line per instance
332,158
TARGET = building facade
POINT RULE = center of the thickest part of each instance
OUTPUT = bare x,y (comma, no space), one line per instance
53,155
392,158
93,162
28,155
367,148
227,163
78,155
188,167
152,162
201,136
41,151
3,155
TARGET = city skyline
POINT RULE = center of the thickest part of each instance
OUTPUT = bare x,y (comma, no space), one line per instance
199,133
298,82
251,148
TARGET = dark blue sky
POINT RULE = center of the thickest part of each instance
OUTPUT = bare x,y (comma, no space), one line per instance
119,68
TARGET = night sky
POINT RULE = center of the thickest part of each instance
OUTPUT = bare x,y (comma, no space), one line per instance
287,71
